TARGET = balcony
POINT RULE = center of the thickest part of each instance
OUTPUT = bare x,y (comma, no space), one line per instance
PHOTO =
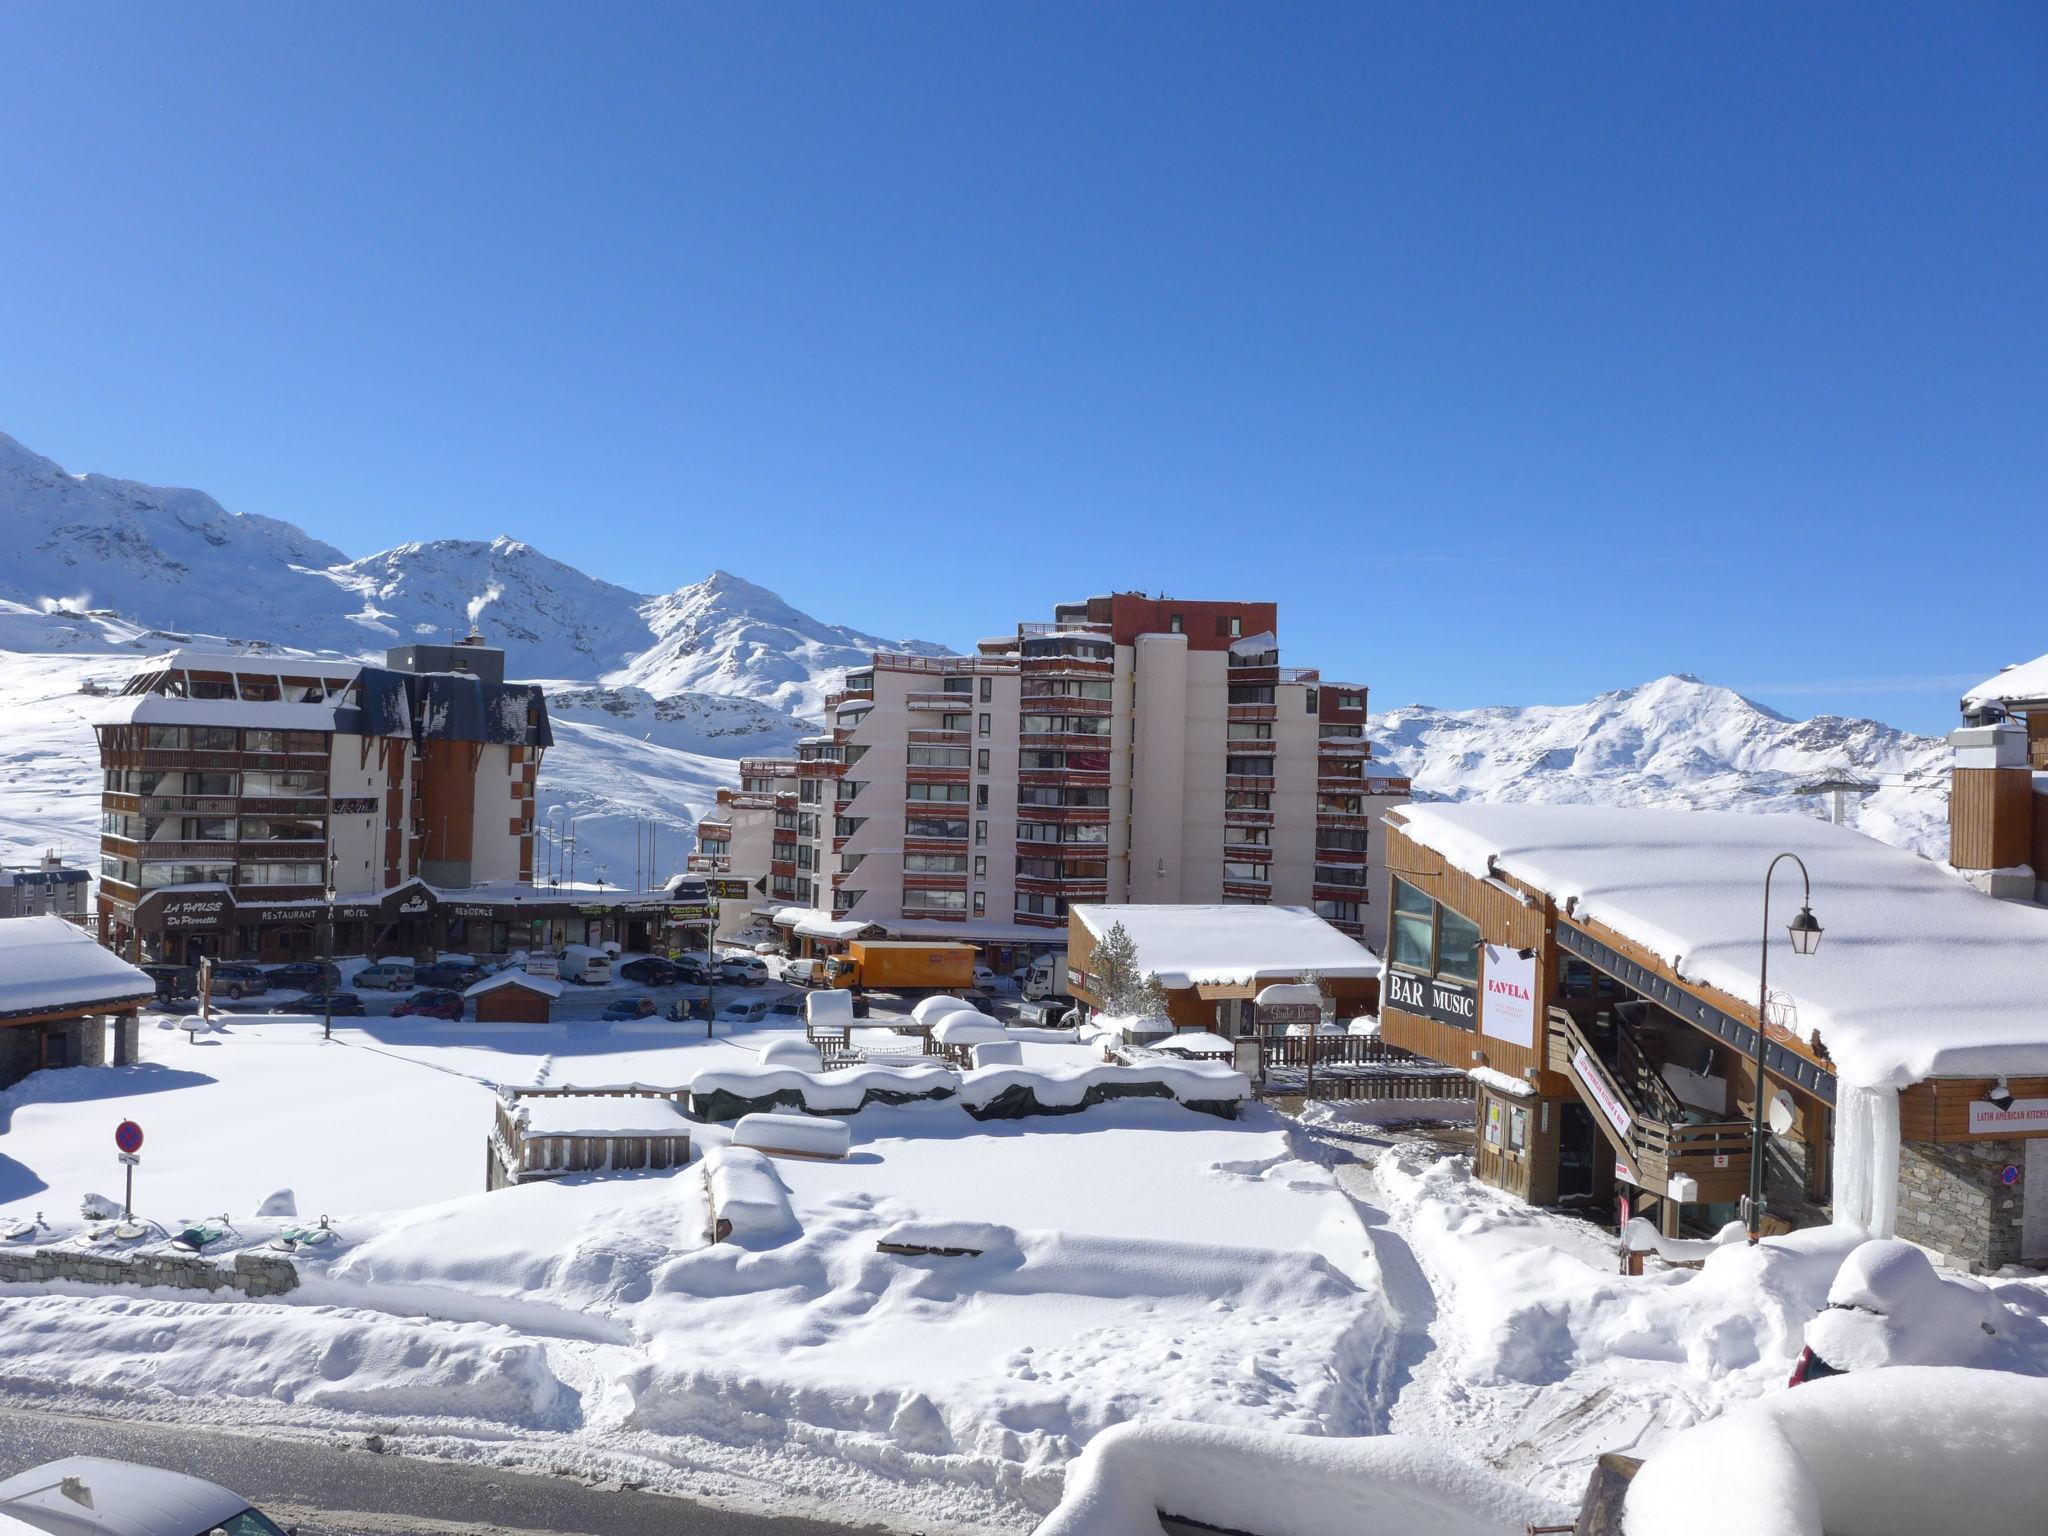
1342,746
1233,817
768,768
950,702
935,775
1248,783
1067,741
1256,853
1251,890
943,666
1038,920
930,738
1250,712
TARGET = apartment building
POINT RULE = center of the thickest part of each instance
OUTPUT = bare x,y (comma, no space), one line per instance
49,887
1134,749
239,789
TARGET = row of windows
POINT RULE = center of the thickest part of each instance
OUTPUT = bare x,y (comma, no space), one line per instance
1428,937
209,829
939,757
1064,795
257,783
223,738
1063,725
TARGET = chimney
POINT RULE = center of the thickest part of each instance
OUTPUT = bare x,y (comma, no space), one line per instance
1991,805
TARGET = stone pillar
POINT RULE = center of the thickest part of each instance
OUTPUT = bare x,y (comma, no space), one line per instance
1953,1198
89,1041
127,1039
21,1052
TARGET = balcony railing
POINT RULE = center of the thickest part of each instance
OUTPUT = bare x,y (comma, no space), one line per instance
932,738
955,702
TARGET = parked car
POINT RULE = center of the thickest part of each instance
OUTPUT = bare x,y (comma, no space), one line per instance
305,975
650,971
980,1001
95,1496
238,981
173,982
454,974
343,1004
389,975
984,978
629,1008
747,970
804,973
789,1005
691,970
747,1010
436,1003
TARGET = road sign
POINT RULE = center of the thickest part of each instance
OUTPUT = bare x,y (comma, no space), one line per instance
128,1136
132,1159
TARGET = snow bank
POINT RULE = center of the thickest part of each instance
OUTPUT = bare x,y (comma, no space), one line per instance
810,1135
831,1008
1283,1485
729,1092
1899,1452
974,1237
800,1054
930,1010
998,1053
1888,1306
968,1028
748,1202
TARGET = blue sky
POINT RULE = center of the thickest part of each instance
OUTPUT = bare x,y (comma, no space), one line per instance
1520,352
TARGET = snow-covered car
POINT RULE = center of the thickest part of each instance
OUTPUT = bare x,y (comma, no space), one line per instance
767,947
747,970
1889,1306
629,1008
385,976
788,1006
984,978
93,1496
747,1010
305,976
691,970
448,974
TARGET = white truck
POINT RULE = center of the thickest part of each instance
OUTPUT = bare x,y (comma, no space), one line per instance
1047,979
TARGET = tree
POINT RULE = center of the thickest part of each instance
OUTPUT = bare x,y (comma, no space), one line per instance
1119,985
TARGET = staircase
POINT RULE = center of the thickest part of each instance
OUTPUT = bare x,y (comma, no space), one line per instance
1643,1119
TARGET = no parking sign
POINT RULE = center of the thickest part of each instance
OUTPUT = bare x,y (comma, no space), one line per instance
128,1137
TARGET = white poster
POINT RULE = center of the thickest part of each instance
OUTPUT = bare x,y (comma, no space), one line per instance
1507,999
2021,1117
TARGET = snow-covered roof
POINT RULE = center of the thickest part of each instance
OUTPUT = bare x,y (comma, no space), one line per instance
192,658
2026,683
47,963
1918,973
603,1115
817,924
1255,645
1189,946
251,714
547,986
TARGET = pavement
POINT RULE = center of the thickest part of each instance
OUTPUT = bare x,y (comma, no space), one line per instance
336,1487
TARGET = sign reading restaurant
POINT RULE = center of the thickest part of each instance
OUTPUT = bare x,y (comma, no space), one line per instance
1448,1002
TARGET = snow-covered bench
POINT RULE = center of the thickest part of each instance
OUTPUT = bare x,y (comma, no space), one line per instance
945,1239
726,1093
748,1201
794,1135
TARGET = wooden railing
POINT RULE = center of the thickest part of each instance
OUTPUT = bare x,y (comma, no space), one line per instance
1652,1132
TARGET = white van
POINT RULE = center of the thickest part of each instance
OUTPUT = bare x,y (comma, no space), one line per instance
804,973
591,967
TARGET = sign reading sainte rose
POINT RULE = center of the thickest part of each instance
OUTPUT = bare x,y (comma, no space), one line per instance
1448,1002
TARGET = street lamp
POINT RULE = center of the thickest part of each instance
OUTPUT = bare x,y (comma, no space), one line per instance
327,975
1804,931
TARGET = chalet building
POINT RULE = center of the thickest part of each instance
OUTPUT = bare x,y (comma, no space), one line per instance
1135,749
1998,822
1213,961
238,789
59,994
1597,972
48,887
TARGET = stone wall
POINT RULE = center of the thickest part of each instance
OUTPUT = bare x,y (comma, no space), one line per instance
22,1052
1953,1199
253,1274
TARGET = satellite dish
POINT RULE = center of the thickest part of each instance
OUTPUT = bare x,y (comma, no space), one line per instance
1781,1113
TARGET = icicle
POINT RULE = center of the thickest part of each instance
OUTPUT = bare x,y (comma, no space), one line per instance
1866,1159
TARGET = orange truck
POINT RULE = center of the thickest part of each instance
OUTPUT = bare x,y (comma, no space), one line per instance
893,966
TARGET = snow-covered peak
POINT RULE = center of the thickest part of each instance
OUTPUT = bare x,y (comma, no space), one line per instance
1674,741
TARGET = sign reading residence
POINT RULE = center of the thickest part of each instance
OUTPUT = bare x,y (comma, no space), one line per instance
2023,1117
1448,1002
1507,1006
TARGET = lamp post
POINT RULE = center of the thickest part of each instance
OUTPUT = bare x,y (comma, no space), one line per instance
327,976
1805,932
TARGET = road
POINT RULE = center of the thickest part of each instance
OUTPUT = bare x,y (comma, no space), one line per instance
322,1489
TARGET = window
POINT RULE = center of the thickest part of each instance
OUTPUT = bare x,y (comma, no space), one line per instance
809,792
981,760
1249,767
1340,874
1033,904
980,903
935,901
953,792
1337,911
1248,730
981,729
1430,938
1038,869
311,872
980,834
1248,800
939,757
1176,624
1034,832
1229,624
981,866
1341,839
988,689
981,797
846,826
279,785
1237,870
1251,693
1351,701
1339,805
1312,699
1085,834
935,863
1236,625
957,685
213,738
1256,836
166,738
935,826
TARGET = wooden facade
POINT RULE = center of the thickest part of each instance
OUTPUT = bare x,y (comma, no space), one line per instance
1991,818
517,1154
1938,1110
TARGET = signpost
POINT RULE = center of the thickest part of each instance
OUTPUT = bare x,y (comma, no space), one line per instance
128,1144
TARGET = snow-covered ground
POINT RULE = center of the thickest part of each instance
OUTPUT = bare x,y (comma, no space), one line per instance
1141,1264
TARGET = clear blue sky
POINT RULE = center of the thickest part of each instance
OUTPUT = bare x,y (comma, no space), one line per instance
1519,352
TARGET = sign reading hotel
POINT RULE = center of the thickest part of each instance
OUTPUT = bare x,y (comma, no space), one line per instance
1507,1000
2024,1117
1448,1002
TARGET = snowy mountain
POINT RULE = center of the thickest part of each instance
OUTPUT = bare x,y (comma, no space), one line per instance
176,561
1674,742
726,635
